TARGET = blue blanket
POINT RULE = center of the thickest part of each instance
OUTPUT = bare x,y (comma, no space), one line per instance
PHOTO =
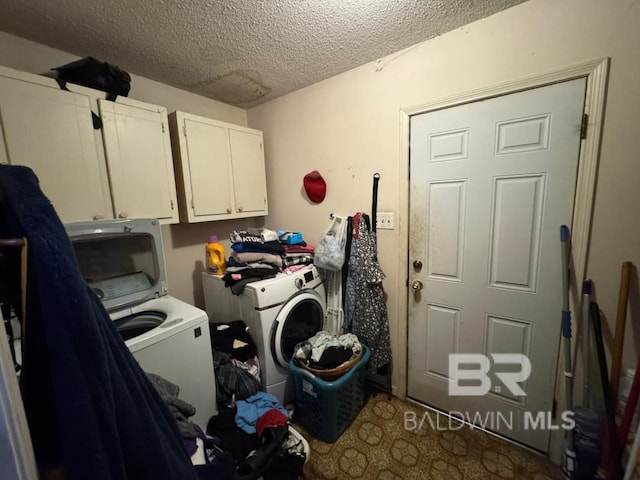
92,412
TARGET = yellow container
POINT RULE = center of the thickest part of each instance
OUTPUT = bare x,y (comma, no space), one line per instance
216,261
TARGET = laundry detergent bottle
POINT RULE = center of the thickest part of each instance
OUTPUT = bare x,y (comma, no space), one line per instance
215,258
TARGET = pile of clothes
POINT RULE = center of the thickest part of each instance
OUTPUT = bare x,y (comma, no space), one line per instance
181,411
235,362
326,351
260,253
257,437
251,436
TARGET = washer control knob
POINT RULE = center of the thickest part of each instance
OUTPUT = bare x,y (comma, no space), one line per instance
298,283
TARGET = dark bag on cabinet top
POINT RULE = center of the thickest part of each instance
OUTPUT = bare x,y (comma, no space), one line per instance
92,73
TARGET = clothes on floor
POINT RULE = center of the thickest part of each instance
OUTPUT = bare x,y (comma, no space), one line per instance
287,466
251,409
252,366
232,439
280,456
271,418
180,409
190,444
233,383
234,339
365,312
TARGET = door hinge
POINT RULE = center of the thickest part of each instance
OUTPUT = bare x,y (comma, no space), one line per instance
172,204
162,127
584,126
184,130
193,204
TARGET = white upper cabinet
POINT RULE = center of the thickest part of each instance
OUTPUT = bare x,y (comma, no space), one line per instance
138,152
51,131
220,169
123,170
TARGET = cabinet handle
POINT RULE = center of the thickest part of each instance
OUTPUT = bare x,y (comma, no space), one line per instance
239,208
228,209
98,216
123,215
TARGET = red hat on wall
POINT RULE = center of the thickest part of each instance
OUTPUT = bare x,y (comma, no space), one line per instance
315,186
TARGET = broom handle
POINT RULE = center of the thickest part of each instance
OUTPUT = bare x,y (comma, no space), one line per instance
632,403
586,342
616,354
633,457
611,457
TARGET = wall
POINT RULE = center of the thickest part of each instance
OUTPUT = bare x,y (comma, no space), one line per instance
183,244
347,127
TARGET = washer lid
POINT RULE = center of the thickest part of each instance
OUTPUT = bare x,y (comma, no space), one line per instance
122,260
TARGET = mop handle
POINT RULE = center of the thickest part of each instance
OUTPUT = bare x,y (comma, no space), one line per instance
566,314
566,327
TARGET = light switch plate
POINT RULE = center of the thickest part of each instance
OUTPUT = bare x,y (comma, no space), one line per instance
385,221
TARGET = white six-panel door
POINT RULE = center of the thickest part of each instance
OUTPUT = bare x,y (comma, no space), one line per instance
491,182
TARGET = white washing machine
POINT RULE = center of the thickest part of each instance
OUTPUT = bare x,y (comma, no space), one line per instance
123,261
280,312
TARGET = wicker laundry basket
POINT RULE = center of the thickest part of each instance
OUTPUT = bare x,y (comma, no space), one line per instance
333,373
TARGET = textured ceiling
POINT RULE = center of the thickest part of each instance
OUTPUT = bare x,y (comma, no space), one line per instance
241,52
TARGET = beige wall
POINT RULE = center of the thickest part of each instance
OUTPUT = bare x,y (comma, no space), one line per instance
183,244
347,127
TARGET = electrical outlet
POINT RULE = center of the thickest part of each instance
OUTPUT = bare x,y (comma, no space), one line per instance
384,221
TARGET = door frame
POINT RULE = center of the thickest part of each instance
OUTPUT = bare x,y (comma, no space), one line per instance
596,74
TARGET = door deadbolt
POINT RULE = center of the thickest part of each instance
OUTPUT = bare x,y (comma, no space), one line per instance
417,265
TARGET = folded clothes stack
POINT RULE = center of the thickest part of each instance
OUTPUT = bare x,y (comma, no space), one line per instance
259,253
296,250
256,255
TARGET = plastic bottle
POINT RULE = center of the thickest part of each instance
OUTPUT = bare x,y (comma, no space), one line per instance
215,258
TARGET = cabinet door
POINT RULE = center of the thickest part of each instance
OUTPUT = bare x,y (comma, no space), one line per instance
247,159
51,131
208,171
138,151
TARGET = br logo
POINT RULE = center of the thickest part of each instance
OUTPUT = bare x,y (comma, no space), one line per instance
471,370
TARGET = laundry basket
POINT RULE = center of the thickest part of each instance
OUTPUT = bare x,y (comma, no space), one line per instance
327,408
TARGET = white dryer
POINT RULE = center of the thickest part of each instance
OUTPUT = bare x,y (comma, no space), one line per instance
123,261
280,312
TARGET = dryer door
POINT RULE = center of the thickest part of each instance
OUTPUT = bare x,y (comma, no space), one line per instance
298,320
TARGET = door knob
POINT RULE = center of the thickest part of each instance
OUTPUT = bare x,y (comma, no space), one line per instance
416,285
417,265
